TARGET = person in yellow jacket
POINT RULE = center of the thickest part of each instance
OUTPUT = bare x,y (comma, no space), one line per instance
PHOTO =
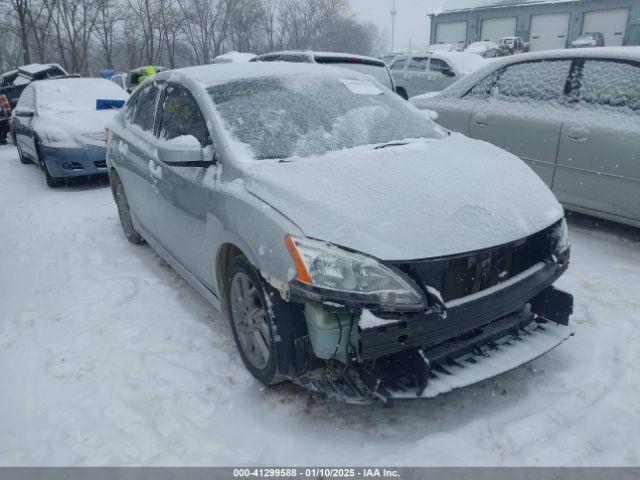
150,70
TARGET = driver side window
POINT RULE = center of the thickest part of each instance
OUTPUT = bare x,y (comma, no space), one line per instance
181,116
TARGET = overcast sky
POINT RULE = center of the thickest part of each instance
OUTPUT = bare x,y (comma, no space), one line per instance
411,22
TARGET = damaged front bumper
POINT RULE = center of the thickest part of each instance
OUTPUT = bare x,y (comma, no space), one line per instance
446,347
497,348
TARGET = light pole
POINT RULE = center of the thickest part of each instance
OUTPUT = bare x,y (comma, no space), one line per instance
394,12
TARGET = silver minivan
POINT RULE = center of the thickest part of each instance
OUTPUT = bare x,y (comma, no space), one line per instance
572,115
325,216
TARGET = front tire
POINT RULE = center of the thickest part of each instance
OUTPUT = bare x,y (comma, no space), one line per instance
23,160
124,211
253,321
52,182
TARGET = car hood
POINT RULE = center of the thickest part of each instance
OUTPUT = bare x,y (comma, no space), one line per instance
426,199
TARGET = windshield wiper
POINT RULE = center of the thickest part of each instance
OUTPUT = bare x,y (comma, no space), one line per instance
392,144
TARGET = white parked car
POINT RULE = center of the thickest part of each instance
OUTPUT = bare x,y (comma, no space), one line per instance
431,72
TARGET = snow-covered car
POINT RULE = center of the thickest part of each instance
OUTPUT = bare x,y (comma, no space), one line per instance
595,39
484,49
59,124
572,115
234,57
431,72
444,47
359,63
357,248
135,77
120,79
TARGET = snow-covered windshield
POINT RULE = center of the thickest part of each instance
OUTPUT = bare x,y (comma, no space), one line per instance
282,117
75,94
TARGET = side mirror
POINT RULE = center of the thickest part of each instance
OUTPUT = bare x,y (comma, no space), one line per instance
448,72
24,112
185,151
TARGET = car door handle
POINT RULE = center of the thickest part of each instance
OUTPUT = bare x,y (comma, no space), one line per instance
480,120
579,136
155,170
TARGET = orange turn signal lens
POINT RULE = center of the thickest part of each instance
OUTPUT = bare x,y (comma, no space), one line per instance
301,270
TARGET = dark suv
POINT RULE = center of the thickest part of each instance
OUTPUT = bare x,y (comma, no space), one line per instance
12,84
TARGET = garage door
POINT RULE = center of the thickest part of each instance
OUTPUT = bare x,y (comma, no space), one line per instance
452,32
493,29
611,23
549,32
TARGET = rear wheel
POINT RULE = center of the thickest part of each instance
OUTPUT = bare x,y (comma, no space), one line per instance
124,211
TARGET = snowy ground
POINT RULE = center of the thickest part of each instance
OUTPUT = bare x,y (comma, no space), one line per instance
108,358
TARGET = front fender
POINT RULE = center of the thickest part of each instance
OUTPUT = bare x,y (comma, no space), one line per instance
241,219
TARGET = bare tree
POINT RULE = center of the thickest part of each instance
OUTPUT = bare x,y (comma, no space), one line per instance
74,23
110,15
205,26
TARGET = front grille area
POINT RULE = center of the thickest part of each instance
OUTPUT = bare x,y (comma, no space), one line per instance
100,164
461,275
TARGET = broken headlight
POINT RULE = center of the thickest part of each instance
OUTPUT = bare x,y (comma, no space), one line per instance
351,278
561,235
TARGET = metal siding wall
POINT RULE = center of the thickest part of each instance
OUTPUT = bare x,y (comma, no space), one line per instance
524,13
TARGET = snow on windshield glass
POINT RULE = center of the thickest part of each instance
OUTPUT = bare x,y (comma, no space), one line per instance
303,116
75,95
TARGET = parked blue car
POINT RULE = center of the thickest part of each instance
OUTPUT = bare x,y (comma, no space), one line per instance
60,124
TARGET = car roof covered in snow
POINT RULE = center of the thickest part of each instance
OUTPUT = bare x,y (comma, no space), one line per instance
34,68
216,74
311,54
616,53
463,62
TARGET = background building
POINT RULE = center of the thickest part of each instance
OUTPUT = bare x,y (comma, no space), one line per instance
545,24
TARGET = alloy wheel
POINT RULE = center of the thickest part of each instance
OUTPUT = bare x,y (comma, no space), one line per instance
250,320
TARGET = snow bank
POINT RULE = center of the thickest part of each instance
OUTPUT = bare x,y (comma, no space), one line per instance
109,358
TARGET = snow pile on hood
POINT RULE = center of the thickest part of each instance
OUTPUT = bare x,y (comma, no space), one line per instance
429,198
72,95
70,105
234,57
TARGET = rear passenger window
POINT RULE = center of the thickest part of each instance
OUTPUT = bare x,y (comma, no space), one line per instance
146,102
181,115
418,64
611,84
399,64
539,81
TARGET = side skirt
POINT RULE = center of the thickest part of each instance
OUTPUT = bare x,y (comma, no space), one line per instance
177,266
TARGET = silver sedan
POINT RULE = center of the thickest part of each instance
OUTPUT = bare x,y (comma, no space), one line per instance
573,116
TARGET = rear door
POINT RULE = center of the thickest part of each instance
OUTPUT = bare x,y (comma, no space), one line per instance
523,110
180,199
599,157
137,149
417,75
